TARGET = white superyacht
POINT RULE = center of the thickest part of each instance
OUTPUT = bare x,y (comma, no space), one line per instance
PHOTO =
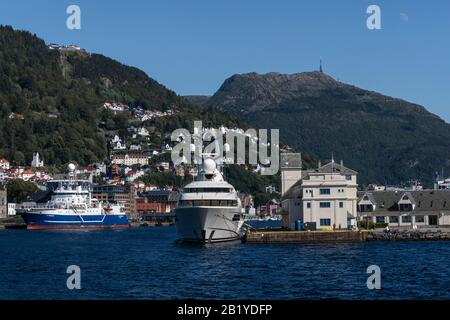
209,209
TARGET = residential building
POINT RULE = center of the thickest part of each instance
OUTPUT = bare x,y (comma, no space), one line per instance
143,132
16,116
11,209
130,159
4,164
326,197
106,192
162,201
27,174
405,208
135,147
163,166
121,194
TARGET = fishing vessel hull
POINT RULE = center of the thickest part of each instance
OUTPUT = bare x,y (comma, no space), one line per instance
42,221
208,224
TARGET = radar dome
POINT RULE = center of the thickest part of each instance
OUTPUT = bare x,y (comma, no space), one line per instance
209,165
71,167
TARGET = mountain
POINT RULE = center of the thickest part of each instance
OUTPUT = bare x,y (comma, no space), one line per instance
387,140
51,101
198,100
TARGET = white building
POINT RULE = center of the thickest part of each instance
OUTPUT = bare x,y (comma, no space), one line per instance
129,159
27,174
326,196
120,146
143,132
4,164
135,147
37,162
11,209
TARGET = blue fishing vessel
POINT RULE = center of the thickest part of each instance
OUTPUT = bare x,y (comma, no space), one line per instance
71,206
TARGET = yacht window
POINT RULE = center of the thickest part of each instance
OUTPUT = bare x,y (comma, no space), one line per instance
209,203
236,217
194,190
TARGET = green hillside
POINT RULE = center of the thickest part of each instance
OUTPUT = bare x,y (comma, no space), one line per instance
51,101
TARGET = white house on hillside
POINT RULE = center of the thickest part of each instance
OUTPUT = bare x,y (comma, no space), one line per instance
37,162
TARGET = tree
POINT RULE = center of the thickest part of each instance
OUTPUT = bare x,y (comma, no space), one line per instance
18,190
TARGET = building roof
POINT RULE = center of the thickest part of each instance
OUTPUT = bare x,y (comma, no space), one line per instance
425,200
295,192
291,160
166,194
336,168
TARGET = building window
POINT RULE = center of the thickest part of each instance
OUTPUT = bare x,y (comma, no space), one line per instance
406,219
325,205
405,207
420,219
379,219
325,222
308,205
393,219
324,191
348,177
365,208
341,204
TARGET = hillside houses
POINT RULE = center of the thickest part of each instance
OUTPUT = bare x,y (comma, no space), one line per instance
70,47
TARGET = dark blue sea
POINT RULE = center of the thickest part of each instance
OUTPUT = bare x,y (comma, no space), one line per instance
147,263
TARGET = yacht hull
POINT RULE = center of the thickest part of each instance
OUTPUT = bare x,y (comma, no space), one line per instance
207,224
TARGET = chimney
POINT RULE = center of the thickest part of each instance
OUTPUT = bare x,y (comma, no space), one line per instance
342,164
319,164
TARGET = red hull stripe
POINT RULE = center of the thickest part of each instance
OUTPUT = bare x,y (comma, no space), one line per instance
75,227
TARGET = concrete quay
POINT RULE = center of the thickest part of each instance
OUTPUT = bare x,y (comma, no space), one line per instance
340,236
13,222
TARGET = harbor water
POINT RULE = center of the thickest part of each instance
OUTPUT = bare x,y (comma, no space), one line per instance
148,263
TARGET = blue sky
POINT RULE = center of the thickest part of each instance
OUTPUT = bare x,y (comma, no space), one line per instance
191,46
